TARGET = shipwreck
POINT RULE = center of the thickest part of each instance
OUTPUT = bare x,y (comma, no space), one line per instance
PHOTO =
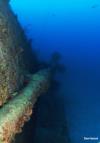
19,87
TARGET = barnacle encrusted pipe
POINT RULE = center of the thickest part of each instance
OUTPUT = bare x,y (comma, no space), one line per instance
16,112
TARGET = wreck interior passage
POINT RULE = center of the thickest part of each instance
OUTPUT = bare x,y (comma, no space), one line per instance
57,50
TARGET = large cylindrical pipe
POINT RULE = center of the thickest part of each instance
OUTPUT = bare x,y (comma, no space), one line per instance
16,112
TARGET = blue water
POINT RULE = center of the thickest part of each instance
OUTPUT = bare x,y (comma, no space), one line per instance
71,27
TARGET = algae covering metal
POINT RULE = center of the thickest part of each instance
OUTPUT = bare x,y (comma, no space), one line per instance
14,70
11,53
15,113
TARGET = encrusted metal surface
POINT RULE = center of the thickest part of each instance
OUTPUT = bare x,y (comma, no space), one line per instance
11,53
15,113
